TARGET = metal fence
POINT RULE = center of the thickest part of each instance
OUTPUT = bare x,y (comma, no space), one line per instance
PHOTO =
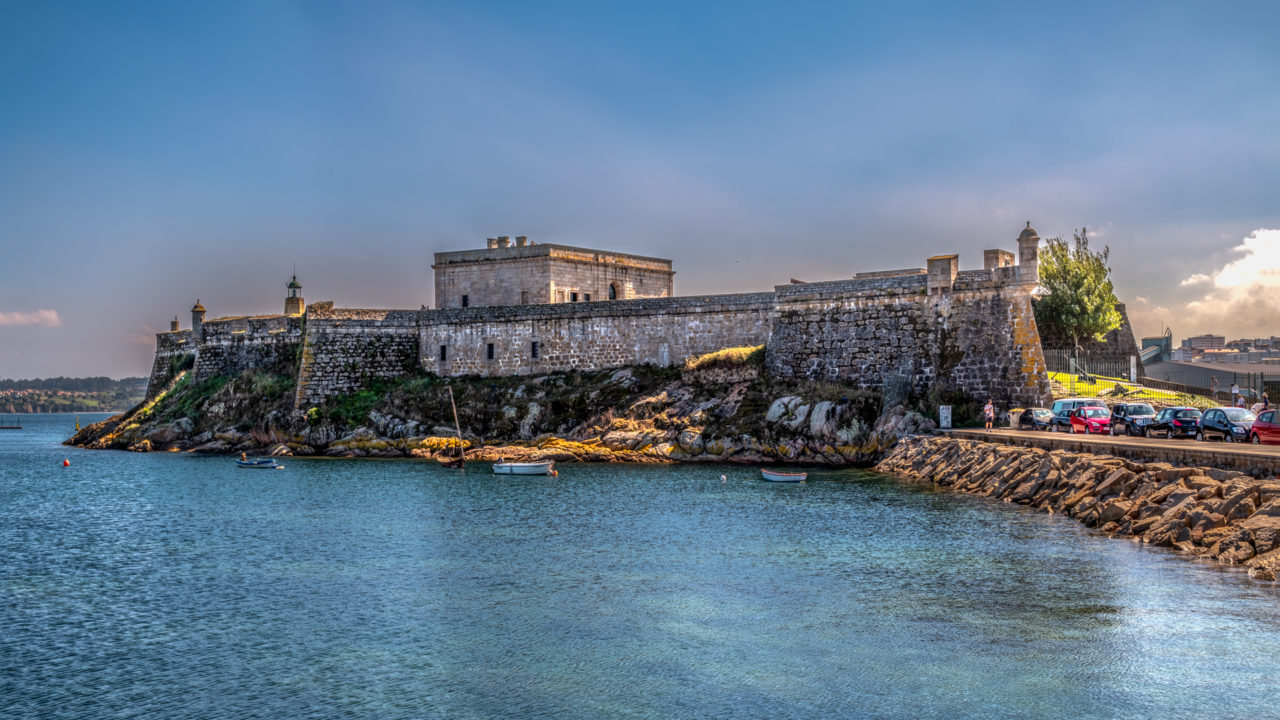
1165,383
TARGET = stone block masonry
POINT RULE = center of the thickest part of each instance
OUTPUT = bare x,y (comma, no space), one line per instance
976,337
532,339
968,333
233,345
345,350
172,350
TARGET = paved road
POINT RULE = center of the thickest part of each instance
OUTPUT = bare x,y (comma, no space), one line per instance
1106,443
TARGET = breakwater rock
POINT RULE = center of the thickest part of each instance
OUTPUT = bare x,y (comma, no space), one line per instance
1223,515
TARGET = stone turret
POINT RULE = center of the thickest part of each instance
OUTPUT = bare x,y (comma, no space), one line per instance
197,321
942,271
173,324
1029,256
293,302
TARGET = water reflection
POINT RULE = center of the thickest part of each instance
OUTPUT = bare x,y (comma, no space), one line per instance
179,586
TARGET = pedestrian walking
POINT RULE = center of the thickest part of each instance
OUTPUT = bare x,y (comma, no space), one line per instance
1235,392
989,414
1213,386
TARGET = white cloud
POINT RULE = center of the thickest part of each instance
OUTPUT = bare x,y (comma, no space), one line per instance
47,318
1243,299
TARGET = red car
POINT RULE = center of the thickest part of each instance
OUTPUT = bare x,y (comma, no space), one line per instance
1091,420
1266,429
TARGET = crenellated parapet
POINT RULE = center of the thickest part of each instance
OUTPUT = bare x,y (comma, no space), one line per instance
937,330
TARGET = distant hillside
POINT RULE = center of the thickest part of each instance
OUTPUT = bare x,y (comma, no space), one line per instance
63,394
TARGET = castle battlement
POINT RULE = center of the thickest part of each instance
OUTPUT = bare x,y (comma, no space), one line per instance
499,312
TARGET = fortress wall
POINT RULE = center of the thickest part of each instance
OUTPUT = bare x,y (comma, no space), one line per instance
233,345
171,349
345,350
595,277
591,336
979,339
497,282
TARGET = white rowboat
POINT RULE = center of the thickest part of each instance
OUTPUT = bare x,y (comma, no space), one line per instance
545,467
776,476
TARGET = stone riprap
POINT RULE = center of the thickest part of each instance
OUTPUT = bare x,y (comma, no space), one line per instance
979,339
1207,512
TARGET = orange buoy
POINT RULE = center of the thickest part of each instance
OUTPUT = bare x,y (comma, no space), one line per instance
66,462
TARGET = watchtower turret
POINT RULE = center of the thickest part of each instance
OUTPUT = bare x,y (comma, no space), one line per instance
197,321
293,302
1029,256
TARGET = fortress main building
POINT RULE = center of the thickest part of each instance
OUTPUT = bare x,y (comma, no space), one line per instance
516,308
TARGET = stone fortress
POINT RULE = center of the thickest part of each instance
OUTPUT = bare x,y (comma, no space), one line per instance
525,308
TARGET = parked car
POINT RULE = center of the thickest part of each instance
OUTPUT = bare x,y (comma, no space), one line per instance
1173,422
1076,402
1091,419
1266,429
1035,419
1061,421
1130,418
1229,424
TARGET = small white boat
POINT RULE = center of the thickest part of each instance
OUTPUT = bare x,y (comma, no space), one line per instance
544,467
778,476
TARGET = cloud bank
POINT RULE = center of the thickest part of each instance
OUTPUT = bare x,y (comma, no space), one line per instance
47,318
1240,299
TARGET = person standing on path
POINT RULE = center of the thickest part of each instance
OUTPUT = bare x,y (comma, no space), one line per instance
1235,392
1213,386
989,414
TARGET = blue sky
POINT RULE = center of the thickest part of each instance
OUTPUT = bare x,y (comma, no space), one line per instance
153,153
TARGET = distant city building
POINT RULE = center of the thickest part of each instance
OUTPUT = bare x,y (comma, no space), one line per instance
1205,342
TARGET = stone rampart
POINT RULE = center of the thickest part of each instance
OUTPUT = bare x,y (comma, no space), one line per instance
978,339
940,331
174,350
233,345
345,350
499,341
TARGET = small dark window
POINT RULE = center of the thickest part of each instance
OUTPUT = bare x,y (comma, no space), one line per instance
586,297
524,297
490,351
573,297
613,292
466,301
444,353
533,349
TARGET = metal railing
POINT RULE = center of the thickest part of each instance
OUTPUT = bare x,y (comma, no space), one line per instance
1078,374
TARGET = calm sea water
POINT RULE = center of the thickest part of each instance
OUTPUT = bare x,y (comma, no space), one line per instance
173,586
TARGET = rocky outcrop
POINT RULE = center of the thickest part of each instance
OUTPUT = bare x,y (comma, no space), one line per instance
640,414
1223,515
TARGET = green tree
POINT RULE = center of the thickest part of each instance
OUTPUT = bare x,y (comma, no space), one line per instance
1079,299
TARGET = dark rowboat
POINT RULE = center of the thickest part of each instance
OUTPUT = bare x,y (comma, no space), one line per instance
267,464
